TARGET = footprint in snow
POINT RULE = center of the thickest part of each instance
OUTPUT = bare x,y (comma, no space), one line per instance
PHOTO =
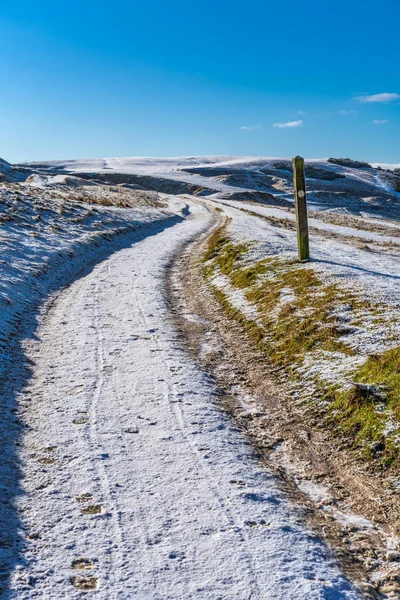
86,584
177,555
150,422
46,460
92,509
107,370
82,498
82,418
116,352
84,564
76,390
255,497
132,430
257,524
50,449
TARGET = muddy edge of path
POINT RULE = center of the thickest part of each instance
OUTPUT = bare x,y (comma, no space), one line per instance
284,437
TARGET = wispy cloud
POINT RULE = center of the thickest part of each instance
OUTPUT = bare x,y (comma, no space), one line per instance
380,121
346,112
251,127
288,124
384,97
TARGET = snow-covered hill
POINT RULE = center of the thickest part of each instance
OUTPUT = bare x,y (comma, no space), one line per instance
11,173
334,187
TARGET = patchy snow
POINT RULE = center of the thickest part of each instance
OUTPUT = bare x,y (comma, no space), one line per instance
339,230
375,274
331,367
367,258
322,496
235,295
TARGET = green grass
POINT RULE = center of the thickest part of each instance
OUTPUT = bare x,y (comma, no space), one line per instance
363,415
291,331
302,325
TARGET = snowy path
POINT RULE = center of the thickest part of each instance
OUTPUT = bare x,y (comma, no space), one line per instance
129,463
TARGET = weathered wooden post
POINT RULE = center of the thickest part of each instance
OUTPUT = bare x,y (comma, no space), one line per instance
301,207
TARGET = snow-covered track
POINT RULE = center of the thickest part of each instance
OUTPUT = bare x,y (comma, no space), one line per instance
134,483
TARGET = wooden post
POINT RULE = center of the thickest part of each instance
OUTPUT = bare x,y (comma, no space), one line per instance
301,208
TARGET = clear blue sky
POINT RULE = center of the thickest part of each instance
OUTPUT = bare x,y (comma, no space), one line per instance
91,78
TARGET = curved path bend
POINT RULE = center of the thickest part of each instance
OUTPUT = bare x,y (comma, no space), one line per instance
135,484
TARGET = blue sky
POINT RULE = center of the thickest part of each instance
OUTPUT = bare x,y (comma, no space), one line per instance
167,78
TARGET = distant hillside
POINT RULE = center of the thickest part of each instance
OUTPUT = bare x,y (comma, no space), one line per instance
10,173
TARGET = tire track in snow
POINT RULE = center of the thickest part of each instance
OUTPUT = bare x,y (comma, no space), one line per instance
172,396
94,435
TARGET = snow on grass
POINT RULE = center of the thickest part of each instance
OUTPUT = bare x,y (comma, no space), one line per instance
236,296
48,234
322,224
324,321
375,274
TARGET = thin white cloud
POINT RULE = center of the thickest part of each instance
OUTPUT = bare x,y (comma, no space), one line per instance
251,127
380,121
384,97
288,124
346,112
